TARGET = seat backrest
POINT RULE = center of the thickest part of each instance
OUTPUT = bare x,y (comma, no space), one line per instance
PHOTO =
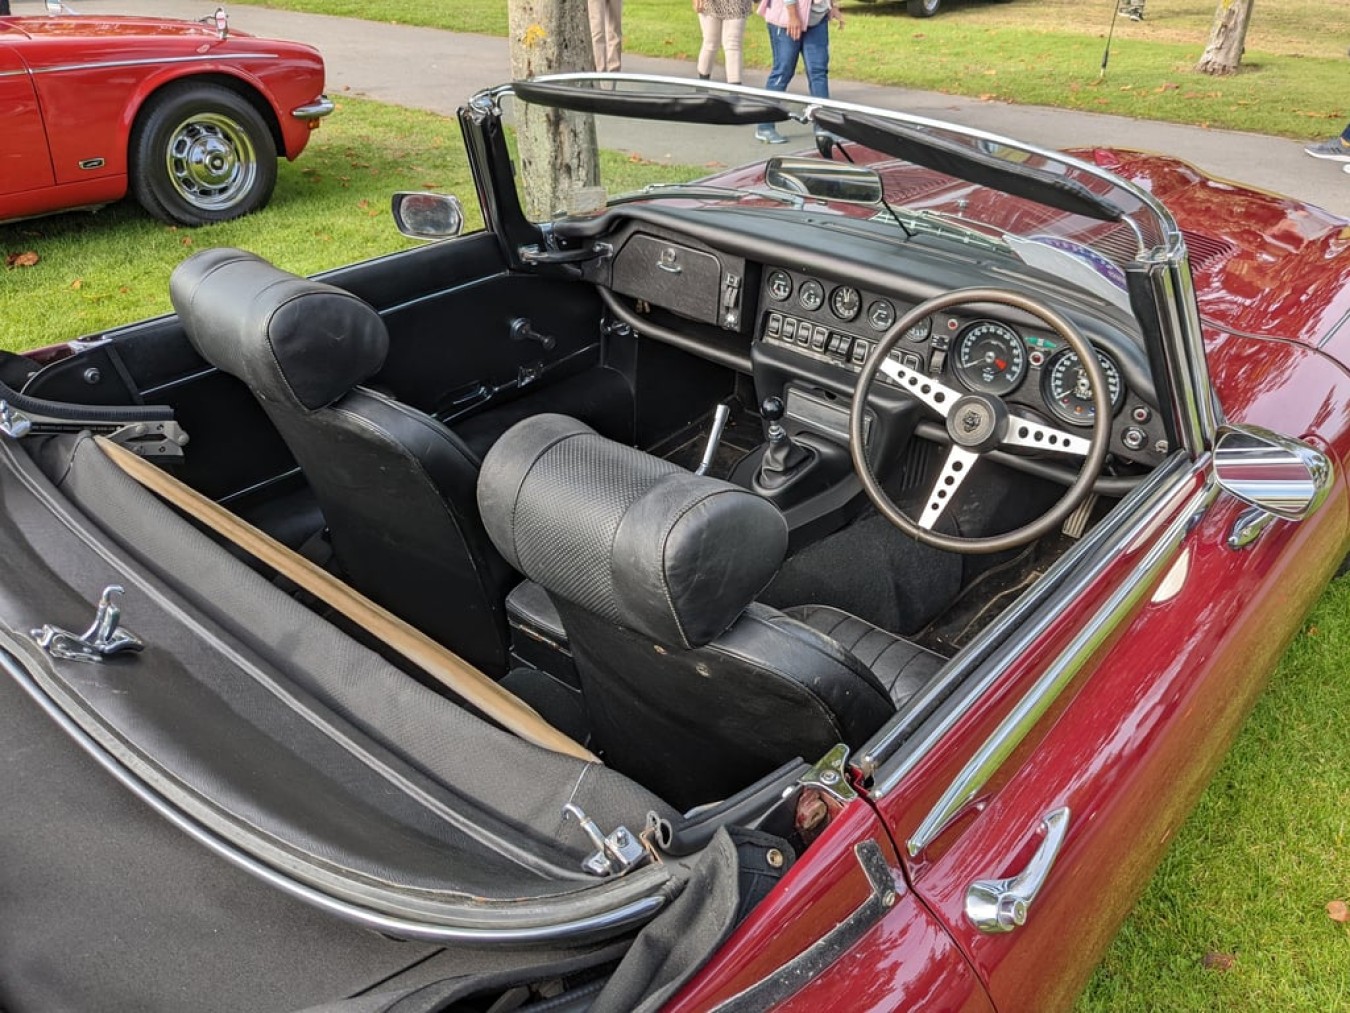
397,488
692,688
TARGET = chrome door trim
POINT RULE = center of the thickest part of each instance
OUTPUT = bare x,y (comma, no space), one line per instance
1028,711
150,61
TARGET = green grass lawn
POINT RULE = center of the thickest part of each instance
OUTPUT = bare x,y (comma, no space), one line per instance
1248,876
1048,52
330,207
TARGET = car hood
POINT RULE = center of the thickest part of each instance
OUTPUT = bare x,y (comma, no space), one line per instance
1263,264
75,28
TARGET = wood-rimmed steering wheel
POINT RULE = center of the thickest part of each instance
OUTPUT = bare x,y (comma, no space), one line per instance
977,423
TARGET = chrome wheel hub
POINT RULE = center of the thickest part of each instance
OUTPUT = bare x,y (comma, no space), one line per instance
211,162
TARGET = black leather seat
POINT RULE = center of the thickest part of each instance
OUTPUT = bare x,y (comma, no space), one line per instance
692,688
397,488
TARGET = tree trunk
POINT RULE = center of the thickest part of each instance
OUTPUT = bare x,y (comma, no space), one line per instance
557,149
1227,37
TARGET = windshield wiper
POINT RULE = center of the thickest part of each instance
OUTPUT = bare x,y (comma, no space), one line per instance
970,164
703,190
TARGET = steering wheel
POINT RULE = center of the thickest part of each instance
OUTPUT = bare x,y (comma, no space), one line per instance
978,423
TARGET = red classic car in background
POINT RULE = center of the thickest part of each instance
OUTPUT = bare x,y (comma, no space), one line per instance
187,117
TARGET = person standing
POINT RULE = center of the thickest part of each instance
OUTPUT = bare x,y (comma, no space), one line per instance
722,21
606,34
798,29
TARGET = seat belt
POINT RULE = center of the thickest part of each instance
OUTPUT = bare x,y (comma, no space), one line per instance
461,678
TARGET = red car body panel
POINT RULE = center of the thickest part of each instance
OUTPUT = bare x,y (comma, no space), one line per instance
1131,743
904,960
88,78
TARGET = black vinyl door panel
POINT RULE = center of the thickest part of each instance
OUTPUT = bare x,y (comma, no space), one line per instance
449,308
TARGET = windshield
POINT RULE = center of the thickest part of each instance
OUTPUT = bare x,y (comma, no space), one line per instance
629,138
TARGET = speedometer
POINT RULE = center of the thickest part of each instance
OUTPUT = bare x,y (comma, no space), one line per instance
1068,390
990,358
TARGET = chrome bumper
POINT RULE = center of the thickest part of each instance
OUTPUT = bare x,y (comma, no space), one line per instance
315,110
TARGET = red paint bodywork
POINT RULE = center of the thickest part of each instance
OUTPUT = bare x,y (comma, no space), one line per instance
75,86
1132,742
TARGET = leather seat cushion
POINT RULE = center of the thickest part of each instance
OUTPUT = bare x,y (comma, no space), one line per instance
902,667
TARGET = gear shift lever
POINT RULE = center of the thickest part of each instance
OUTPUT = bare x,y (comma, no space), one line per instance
783,456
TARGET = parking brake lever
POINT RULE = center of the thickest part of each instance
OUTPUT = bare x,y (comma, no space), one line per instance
719,423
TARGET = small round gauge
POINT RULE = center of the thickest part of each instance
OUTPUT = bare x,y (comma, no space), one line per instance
845,303
1068,391
921,330
811,295
880,315
780,285
990,358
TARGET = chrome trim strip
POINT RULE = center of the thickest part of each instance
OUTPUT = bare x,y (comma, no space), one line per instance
1061,672
316,110
153,61
14,73
632,913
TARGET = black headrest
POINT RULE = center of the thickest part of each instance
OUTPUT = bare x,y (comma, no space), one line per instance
287,337
628,536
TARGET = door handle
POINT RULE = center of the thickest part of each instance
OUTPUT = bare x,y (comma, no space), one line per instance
1000,905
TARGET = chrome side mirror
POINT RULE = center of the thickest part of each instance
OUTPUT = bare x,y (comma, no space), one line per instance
1273,473
814,177
428,215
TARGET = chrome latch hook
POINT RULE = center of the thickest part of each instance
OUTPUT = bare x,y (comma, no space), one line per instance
105,637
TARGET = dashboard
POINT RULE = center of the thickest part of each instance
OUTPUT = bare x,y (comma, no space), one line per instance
805,307
1032,369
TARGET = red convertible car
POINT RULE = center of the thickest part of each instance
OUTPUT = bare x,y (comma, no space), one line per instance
187,117
825,583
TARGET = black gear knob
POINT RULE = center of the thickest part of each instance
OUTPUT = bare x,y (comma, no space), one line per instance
771,409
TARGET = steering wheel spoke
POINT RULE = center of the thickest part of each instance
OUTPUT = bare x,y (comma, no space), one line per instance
978,423
954,471
1038,436
933,393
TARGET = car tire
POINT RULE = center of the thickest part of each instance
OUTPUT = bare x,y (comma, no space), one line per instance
201,153
923,8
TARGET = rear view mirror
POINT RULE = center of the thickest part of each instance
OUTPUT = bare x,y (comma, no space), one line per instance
428,215
814,177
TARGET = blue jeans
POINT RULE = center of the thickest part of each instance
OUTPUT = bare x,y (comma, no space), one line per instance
813,46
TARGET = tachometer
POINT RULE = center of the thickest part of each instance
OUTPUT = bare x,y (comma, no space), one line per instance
990,358
1068,391
845,302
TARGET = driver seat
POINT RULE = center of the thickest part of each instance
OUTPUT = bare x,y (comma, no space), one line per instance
692,687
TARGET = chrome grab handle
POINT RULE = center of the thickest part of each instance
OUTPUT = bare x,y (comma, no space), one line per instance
1000,905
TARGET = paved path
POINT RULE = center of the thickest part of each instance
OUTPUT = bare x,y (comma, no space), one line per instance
436,70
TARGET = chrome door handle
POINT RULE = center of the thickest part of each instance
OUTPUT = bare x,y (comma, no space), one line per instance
1000,905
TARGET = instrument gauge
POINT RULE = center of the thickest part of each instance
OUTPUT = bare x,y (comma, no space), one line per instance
811,295
780,285
1068,391
845,302
880,315
921,330
990,358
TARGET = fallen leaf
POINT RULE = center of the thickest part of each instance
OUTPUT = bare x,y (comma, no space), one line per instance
1218,961
77,284
1313,631
187,240
1337,911
26,259
1166,86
